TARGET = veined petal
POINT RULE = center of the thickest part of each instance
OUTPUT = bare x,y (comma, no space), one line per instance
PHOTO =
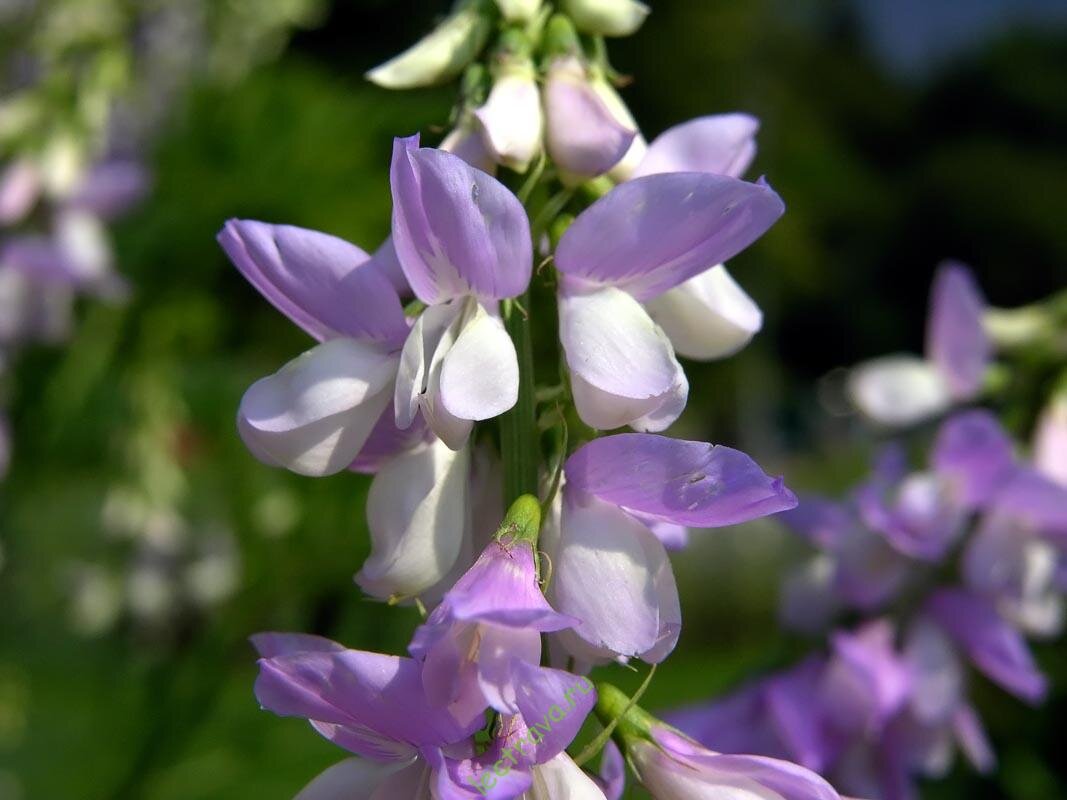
613,574
377,695
417,511
956,340
553,703
691,483
613,346
583,137
723,144
898,390
457,231
324,284
480,372
314,415
707,317
653,233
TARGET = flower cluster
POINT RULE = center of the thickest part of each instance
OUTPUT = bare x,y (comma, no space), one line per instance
422,375
951,566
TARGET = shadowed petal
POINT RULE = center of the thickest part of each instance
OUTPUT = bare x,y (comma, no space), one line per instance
707,317
418,516
723,144
653,233
314,415
995,647
956,340
456,230
691,483
323,284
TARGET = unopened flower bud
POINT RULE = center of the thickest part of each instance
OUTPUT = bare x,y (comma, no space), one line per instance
519,10
511,118
607,17
441,54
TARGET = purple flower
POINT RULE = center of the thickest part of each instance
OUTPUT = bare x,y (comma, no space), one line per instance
583,137
904,389
642,239
494,614
673,767
375,706
610,570
463,241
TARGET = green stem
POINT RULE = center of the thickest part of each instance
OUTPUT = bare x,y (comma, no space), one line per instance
518,427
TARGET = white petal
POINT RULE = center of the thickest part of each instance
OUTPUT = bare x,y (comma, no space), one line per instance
612,573
519,10
511,119
707,317
439,55
417,511
314,415
351,779
622,365
561,779
418,351
898,390
606,17
480,373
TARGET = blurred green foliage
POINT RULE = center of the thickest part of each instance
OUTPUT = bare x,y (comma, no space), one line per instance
882,180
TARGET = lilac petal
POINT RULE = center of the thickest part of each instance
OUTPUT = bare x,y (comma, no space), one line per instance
795,713
973,740
736,723
975,453
956,340
919,516
622,365
995,647
319,281
314,415
498,650
467,142
938,678
272,644
554,704
376,700
502,588
449,672
683,769
1050,441
870,572
723,144
673,536
611,573
583,137
110,188
690,483
457,231
20,186
650,234
385,263
386,441
39,258
1036,501
822,522
612,772
502,771
866,683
